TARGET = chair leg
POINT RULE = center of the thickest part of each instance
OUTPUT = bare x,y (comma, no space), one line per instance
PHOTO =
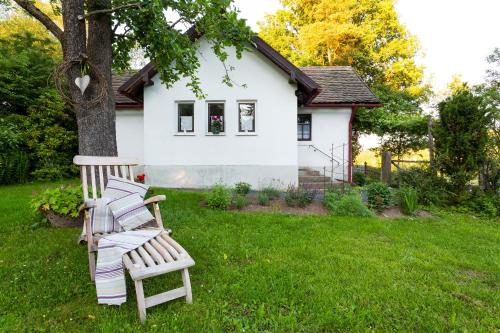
187,285
92,265
141,302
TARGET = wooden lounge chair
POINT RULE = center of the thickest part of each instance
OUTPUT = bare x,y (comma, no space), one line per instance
158,256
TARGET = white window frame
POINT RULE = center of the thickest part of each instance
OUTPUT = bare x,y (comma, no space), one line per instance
207,103
242,101
176,114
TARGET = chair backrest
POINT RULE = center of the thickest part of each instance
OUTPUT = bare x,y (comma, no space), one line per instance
99,168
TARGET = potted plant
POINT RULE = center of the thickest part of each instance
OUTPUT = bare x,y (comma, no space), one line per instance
60,206
216,124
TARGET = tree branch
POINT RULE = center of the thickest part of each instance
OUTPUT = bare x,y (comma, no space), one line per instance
41,17
108,11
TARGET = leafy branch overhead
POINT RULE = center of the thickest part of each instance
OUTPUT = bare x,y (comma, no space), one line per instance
159,27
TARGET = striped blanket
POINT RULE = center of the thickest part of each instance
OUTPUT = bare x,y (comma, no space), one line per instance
109,277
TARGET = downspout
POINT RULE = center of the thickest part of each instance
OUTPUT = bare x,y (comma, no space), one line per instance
354,109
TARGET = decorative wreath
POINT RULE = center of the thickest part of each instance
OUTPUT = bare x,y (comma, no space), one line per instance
86,68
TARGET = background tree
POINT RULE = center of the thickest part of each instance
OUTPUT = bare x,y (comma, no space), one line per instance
490,91
37,130
461,138
365,34
400,123
368,36
100,31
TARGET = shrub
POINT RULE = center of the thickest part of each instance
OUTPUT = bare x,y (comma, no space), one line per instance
349,204
359,178
408,200
480,203
431,189
64,200
219,197
14,167
379,196
263,198
271,192
241,202
298,197
242,188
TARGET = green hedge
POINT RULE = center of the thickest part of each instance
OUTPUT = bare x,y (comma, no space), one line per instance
14,168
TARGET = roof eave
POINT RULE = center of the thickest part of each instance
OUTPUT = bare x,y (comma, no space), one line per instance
132,87
344,104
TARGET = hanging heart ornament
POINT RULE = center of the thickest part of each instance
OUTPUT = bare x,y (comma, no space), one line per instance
82,83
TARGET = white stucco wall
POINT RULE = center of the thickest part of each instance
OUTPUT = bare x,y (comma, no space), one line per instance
200,160
330,127
130,133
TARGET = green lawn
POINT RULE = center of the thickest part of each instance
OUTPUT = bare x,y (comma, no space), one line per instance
264,272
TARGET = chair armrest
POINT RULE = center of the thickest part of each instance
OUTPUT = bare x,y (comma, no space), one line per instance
155,199
87,205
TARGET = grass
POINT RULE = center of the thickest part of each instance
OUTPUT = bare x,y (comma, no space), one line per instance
263,272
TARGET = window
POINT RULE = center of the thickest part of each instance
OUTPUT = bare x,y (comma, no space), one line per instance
304,127
216,114
185,117
246,117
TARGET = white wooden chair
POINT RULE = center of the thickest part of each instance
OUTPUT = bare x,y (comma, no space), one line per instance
159,256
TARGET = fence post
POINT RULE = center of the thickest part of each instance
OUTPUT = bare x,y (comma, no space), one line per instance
366,169
385,175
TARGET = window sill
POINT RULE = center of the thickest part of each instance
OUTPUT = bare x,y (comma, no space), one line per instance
246,134
185,134
220,134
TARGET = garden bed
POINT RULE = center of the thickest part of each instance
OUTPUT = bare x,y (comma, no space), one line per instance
279,206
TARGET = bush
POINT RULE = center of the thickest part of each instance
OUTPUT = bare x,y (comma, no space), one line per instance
219,197
14,168
359,178
298,197
349,204
480,203
241,202
408,200
263,198
64,200
431,189
379,196
242,188
271,192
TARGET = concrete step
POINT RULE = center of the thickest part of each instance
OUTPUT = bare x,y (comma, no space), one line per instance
313,186
314,179
308,172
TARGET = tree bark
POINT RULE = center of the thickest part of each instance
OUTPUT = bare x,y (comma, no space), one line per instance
100,53
96,124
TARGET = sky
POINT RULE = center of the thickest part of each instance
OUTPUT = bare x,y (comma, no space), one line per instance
456,35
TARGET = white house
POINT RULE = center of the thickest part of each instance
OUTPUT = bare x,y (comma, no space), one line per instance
275,120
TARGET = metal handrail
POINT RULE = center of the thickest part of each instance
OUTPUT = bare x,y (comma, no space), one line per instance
316,149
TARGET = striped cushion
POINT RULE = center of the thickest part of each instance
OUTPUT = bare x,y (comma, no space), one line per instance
130,211
118,187
101,217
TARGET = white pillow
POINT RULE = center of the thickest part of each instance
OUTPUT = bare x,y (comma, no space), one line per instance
118,187
130,211
101,217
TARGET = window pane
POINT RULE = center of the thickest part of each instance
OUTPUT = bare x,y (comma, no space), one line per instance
246,117
304,127
185,117
216,113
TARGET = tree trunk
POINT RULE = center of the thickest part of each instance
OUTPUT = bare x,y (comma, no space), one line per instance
96,124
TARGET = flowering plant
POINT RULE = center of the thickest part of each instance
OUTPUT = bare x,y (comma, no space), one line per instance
140,178
216,124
